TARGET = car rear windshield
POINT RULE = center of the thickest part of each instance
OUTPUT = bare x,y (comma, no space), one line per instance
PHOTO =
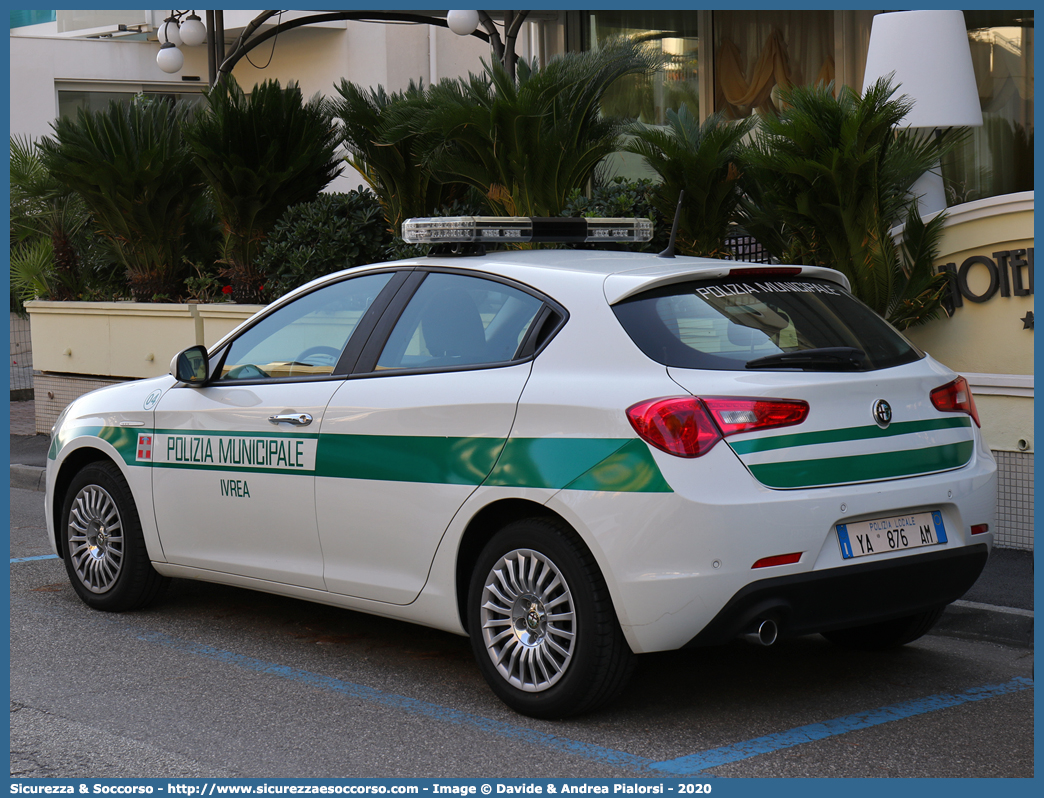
765,324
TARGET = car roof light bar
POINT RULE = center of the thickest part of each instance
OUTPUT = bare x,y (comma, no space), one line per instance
524,230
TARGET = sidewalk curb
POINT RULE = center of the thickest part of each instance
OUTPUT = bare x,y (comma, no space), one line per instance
28,477
972,621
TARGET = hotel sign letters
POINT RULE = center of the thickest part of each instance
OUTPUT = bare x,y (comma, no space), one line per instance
1010,272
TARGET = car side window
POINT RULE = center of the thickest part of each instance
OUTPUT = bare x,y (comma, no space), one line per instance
304,338
455,320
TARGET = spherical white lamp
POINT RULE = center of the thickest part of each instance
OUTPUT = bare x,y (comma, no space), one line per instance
168,32
193,31
169,58
462,23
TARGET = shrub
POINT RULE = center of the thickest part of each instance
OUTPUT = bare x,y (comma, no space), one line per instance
260,153
827,180
703,161
523,141
623,198
391,169
135,173
330,233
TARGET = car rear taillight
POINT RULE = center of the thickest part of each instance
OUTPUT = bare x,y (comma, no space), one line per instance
736,414
679,425
689,426
956,397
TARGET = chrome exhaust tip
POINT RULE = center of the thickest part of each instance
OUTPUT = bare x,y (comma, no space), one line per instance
764,635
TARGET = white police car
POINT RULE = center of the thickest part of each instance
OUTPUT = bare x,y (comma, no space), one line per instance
572,456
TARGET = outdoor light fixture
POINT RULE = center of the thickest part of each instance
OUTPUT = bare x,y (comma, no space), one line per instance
173,33
169,58
463,23
169,33
928,55
193,31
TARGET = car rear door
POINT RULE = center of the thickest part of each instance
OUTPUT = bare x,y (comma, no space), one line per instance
417,429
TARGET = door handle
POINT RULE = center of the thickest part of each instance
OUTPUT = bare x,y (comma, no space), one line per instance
297,419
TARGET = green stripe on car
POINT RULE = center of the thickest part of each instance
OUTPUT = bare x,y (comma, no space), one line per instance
790,440
862,468
587,464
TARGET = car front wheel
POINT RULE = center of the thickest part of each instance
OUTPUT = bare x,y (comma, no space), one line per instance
542,624
102,543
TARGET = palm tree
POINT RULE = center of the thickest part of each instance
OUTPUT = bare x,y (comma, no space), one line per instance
47,221
135,173
827,180
525,143
704,162
260,154
391,170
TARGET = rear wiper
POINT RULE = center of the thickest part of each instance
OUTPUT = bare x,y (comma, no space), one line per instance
827,358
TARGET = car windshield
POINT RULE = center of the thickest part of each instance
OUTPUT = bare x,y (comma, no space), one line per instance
731,324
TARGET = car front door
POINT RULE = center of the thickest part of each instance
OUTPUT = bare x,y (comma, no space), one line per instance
234,460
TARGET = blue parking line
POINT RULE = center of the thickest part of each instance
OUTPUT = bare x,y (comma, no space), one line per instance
30,559
682,766
606,756
694,763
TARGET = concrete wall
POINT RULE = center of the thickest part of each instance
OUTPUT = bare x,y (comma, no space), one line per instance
988,341
316,56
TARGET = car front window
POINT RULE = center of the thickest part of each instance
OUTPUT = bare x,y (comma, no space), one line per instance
304,338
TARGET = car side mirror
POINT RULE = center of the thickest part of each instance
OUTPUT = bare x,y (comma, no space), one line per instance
191,366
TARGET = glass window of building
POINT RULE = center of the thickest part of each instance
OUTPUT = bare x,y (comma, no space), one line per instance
70,101
670,33
997,158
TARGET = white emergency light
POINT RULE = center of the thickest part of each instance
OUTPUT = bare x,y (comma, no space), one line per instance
524,230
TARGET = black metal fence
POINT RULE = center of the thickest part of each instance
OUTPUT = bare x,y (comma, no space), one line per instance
21,359
748,249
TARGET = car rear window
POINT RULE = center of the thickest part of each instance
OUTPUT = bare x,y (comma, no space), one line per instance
731,324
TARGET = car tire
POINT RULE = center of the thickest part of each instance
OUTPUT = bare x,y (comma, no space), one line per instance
542,623
886,634
102,543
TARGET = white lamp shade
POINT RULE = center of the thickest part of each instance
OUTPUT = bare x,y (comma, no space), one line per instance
170,58
168,32
462,23
929,53
193,31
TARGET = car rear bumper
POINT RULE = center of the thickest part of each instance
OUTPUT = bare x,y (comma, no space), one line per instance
855,595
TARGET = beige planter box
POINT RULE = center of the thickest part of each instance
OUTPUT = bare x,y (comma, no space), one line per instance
124,339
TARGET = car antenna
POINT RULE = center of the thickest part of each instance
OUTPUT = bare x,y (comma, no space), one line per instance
669,252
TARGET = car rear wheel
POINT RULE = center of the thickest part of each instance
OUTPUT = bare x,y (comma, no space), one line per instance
542,625
102,543
886,634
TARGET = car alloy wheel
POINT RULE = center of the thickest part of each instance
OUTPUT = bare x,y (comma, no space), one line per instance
543,627
95,534
102,542
528,620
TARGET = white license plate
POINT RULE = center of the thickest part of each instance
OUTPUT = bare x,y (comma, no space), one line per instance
910,531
